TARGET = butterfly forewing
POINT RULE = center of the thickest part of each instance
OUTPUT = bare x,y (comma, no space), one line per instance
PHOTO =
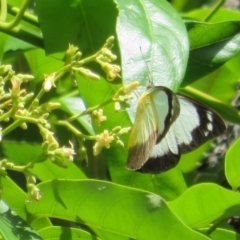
157,109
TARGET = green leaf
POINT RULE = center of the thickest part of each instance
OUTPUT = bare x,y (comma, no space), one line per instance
13,227
232,170
3,41
48,170
190,161
111,208
152,31
220,16
186,5
9,196
203,34
211,45
41,65
169,185
21,152
204,204
17,204
223,234
62,233
76,22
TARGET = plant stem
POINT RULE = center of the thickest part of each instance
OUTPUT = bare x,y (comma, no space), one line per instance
89,110
214,226
5,104
25,36
3,14
28,17
26,119
22,168
13,23
6,115
214,10
75,131
11,28
11,127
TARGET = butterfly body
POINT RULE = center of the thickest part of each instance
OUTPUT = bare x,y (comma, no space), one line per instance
166,126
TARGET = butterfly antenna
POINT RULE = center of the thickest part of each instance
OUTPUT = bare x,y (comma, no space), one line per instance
150,83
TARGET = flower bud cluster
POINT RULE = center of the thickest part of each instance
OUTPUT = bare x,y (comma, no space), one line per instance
17,105
106,138
33,191
123,95
86,73
60,156
98,117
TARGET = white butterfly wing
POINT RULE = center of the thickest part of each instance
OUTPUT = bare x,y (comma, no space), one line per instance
195,125
143,136
157,109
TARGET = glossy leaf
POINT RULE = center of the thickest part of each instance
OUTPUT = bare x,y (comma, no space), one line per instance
13,227
211,45
169,185
223,234
232,169
17,204
204,204
221,15
111,208
152,37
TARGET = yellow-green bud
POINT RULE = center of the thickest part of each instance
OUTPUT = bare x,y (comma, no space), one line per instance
24,126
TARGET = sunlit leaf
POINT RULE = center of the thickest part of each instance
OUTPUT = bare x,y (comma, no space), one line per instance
152,37
204,204
111,208
211,45
232,169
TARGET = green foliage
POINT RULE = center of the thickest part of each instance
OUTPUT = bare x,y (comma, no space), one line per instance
38,179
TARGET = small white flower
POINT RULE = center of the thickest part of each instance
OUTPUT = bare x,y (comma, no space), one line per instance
98,117
49,82
130,87
16,84
117,106
65,152
102,140
111,70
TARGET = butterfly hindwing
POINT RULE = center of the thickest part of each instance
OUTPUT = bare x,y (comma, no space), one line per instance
205,123
195,125
157,109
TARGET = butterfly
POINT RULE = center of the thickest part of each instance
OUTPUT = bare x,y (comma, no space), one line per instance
167,125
